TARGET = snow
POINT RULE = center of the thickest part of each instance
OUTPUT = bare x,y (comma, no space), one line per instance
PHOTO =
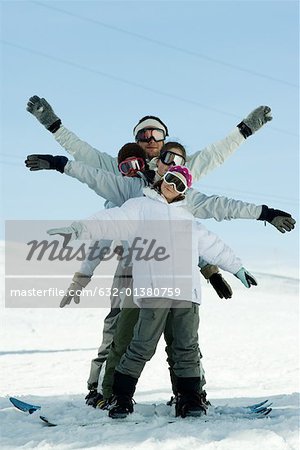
251,352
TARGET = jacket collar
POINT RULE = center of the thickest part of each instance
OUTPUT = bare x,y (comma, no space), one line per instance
154,195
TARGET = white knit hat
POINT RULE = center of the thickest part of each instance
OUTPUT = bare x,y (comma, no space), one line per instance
150,122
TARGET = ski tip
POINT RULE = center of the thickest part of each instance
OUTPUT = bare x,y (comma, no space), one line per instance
267,412
258,405
47,422
23,406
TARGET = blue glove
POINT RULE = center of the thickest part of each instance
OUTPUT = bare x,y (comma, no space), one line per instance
246,278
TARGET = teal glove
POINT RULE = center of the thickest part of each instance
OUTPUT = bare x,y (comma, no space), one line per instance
246,277
68,233
40,108
255,120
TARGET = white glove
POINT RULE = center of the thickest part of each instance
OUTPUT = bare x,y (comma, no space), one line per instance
80,281
246,278
68,233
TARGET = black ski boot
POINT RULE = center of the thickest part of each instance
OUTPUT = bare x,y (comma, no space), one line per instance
202,394
93,398
123,388
190,405
120,407
189,401
204,399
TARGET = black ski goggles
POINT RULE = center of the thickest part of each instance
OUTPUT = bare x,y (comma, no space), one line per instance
146,134
173,179
131,166
170,158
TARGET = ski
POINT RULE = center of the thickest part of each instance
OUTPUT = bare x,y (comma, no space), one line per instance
160,414
109,422
47,422
255,411
23,406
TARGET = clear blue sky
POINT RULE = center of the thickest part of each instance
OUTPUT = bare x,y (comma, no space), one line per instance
200,66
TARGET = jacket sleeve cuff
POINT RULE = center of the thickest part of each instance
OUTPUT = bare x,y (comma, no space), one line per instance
244,130
208,270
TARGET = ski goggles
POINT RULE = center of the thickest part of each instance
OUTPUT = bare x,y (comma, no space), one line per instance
131,165
146,134
170,158
175,180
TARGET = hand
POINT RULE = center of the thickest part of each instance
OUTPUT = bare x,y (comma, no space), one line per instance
46,162
44,113
68,233
283,223
246,278
255,120
281,220
80,281
220,285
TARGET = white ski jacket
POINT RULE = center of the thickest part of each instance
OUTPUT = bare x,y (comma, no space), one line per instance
200,163
178,273
118,189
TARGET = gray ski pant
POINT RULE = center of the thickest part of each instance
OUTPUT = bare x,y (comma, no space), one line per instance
148,330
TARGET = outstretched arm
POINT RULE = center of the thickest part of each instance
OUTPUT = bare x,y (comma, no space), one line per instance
215,251
223,208
115,223
212,156
80,150
111,187
82,278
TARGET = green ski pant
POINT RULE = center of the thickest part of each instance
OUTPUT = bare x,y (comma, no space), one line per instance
122,280
123,334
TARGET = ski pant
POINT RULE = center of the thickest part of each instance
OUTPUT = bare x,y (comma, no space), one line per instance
122,280
148,330
110,323
122,338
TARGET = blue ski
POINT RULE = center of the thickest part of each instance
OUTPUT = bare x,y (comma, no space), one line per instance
258,410
23,406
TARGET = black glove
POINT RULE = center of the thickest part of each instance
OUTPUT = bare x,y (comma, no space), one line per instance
46,162
220,285
281,220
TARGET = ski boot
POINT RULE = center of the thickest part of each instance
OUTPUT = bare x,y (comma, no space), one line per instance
121,406
202,394
123,388
190,405
93,398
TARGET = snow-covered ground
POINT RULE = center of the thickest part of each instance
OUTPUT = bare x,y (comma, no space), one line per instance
251,352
